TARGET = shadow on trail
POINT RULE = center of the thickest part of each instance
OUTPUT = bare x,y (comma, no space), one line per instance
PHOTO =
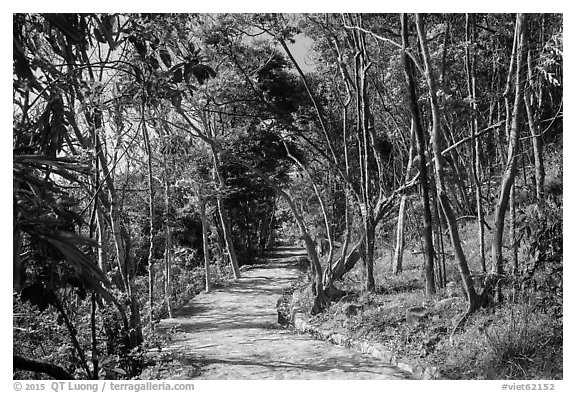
340,363
284,252
232,332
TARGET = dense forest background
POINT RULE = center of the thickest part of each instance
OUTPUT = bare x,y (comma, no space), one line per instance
156,154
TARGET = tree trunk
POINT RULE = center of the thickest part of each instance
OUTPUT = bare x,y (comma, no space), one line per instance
122,243
362,64
511,166
135,321
226,230
440,243
476,163
150,220
168,243
94,336
323,209
420,138
399,247
512,226
346,262
473,298
205,230
534,125
339,267
270,239
370,230
102,241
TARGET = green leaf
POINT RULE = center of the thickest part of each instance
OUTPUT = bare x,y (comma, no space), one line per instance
99,36
154,62
139,45
66,243
178,75
165,57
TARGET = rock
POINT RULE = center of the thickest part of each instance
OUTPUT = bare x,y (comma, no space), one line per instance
447,303
414,314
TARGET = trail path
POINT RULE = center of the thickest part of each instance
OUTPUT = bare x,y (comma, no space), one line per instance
232,332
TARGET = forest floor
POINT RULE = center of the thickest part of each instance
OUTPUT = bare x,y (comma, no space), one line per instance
512,340
232,332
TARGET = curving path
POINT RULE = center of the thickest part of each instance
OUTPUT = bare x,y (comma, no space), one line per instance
232,332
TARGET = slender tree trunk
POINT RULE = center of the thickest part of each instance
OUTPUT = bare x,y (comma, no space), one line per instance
473,298
512,226
148,148
535,129
329,277
362,64
205,230
420,138
122,243
399,248
511,166
476,146
168,242
270,240
102,240
456,164
323,209
226,230
440,242
135,321
115,220
95,363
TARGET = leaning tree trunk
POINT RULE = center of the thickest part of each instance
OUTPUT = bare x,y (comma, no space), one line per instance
224,219
513,139
323,209
226,230
424,189
473,298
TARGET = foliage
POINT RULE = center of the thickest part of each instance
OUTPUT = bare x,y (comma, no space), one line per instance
542,281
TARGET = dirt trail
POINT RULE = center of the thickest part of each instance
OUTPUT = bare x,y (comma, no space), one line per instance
232,332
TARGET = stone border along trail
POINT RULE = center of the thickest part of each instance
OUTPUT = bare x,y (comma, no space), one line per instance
233,333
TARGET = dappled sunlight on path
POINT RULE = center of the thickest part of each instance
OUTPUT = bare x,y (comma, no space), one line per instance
232,333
